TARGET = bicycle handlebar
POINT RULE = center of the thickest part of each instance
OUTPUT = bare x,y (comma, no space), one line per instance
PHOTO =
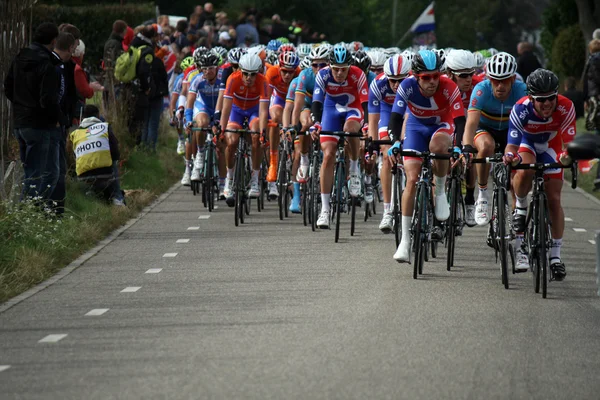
487,160
413,153
242,131
201,129
342,134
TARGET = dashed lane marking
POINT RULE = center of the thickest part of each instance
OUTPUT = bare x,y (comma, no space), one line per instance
53,338
131,289
567,219
4,367
592,241
204,217
183,240
96,312
193,228
169,255
579,229
154,270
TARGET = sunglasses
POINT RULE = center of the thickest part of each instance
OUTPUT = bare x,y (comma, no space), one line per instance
543,99
287,71
377,70
249,74
395,80
428,77
208,68
497,81
319,65
464,75
340,69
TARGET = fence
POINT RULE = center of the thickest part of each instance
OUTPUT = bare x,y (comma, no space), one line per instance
15,28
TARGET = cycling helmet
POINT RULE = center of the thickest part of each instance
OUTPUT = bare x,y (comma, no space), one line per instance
209,59
305,63
250,63
303,49
485,53
389,52
259,51
321,52
459,60
426,61
361,60
289,60
287,47
397,65
340,55
493,51
378,58
274,45
501,66
283,40
356,46
479,60
234,55
220,51
186,63
198,54
408,55
271,57
542,81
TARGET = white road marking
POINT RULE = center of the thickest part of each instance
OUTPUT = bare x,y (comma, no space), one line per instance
204,217
4,367
53,338
154,270
592,241
96,312
567,219
169,255
216,207
193,228
183,240
579,229
131,289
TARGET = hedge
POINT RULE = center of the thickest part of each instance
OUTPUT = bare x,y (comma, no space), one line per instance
95,22
568,52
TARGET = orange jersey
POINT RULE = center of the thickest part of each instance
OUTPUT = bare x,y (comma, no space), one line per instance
280,88
246,97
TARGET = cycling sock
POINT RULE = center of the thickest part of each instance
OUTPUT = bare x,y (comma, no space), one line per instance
274,156
470,197
296,190
483,192
200,150
440,185
522,204
187,166
221,182
255,173
353,166
229,173
367,179
555,249
325,201
406,222
304,159
386,207
518,241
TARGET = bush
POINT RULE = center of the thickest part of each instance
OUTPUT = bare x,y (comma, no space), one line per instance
95,23
568,52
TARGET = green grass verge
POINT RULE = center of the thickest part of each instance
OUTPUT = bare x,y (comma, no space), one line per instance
33,247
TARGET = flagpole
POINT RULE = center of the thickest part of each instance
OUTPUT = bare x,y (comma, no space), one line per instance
394,9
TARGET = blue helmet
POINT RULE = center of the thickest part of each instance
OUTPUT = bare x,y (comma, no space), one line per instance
340,55
273,45
426,61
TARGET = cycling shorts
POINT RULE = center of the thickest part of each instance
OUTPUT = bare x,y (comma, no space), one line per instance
277,101
238,115
418,135
499,136
334,117
200,107
544,153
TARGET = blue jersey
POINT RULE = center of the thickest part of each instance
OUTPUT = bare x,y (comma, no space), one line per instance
495,113
381,95
306,85
205,92
177,85
370,77
352,92
291,94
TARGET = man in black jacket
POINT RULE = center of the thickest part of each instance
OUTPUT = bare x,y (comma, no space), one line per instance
31,85
112,50
159,89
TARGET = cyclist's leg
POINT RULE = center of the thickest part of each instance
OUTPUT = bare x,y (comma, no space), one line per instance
485,144
353,123
332,121
386,168
522,183
441,140
189,150
275,113
236,120
256,156
304,146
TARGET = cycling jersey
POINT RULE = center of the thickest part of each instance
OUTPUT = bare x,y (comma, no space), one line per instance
341,101
224,73
306,85
466,96
495,113
381,99
371,77
245,99
291,94
178,84
206,96
542,137
190,73
280,88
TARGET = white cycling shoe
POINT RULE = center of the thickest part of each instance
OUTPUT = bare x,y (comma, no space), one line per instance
482,212
387,223
402,254
186,181
323,221
442,207
254,189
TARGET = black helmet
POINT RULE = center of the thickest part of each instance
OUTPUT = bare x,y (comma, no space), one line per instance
361,60
209,59
339,55
542,81
426,61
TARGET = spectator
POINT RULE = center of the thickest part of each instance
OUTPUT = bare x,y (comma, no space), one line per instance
67,98
207,15
97,164
225,40
246,32
278,29
221,19
129,35
591,93
180,35
194,24
198,10
159,89
112,50
527,62
142,87
596,34
85,89
576,96
163,21
31,85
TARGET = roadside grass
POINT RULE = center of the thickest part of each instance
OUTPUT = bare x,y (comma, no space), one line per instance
34,245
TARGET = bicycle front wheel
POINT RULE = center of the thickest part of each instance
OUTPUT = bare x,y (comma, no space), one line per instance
397,204
543,236
418,231
452,222
501,234
339,178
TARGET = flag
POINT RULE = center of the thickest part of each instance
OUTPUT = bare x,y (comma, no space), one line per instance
586,166
425,22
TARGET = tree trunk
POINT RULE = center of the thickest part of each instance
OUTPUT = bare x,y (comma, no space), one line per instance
589,15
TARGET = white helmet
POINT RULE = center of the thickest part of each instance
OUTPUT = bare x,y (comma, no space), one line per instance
250,63
303,49
479,60
320,52
501,66
305,63
397,65
377,57
458,60
408,55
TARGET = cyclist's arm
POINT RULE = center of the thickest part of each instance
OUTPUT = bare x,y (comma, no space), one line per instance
459,124
316,111
513,141
471,126
397,117
374,125
219,105
299,99
173,103
189,107
263,115
286,118
226,111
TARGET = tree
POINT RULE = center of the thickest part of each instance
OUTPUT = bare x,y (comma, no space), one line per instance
589,17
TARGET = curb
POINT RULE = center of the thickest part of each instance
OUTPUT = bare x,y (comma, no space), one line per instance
87,255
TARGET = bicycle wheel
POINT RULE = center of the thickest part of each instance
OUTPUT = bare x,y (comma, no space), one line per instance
208,182
237,181
354,202
417,232
248,177
280,183
451,232
501,234
397,204
339,179
543,244
532,242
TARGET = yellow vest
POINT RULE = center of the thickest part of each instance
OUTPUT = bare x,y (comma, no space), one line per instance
91,147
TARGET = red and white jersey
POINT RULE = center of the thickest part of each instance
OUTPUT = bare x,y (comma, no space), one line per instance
352,92
466,96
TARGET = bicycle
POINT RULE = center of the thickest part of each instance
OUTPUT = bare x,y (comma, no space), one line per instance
500,230
209,178
314,184
340,193
284,174
538,237
242,174
422,220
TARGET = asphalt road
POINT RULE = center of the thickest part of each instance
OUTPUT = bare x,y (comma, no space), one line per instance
271,310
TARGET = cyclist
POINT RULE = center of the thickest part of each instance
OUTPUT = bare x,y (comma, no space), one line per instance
487,120
382,93
378,59
436,112
201,101
279,78
301,117
340,101
245,98
541,124
175,93
460,67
